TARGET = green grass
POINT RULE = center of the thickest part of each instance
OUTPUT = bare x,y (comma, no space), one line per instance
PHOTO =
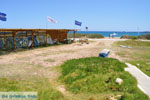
133,43
138,54
26,77
97,76
41,85
78,35
144,36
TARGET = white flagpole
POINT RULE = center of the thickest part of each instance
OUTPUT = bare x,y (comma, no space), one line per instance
46,23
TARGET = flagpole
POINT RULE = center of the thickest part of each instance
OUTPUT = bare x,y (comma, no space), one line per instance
46,23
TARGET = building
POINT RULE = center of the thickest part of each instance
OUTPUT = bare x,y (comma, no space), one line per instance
17,38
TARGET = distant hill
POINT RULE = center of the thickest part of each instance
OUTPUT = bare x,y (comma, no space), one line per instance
146,32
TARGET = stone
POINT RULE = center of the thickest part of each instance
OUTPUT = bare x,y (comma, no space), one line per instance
119,81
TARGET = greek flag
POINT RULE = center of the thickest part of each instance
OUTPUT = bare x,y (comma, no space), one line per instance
78,23
3,16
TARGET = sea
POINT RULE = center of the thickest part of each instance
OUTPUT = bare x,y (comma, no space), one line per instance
118,34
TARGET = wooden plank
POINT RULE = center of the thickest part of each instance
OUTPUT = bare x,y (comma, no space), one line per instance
32,40
14,39
74,35
4,40
46,39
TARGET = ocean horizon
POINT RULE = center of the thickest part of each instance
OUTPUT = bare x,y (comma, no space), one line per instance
119,33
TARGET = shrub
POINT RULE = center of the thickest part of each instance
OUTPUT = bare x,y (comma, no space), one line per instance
95,36
133,37
133,43
128,37
125,37
78,35
145,36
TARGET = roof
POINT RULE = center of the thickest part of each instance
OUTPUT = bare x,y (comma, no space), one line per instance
11,30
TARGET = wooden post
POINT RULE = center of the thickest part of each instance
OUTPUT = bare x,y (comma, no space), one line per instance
46,38
14,40
32,40
4,39
74,35
26,34
58,37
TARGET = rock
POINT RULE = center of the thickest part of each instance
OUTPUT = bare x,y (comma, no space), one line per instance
119,81
92,98
62,89
112,98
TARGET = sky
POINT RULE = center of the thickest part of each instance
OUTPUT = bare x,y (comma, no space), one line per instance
97,15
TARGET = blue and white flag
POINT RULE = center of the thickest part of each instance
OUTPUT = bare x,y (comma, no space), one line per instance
78,23
3,16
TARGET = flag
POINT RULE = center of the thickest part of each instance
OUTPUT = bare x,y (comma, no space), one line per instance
49,19
3,16
78,23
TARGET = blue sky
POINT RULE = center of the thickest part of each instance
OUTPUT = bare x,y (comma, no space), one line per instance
98,15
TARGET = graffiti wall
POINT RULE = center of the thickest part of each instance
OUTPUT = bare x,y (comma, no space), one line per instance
8,43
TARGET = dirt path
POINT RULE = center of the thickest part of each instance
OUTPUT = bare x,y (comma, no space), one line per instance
143,79
53,56
50,57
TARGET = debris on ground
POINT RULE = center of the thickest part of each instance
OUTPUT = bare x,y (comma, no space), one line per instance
104,53
92,98
111,98
125,46
107,81
118,97
119,81
62,89
83,40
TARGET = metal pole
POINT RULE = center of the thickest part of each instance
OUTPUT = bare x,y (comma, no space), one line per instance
46,23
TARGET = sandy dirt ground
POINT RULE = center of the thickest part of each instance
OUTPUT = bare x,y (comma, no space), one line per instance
41,62
50,57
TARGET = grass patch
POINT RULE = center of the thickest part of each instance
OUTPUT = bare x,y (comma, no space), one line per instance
42,86
144,36
97,75
138,55
26,77
133,43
